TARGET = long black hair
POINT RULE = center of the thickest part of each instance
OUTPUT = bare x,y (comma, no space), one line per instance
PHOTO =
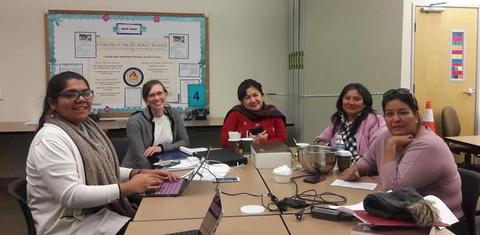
367,100
56,85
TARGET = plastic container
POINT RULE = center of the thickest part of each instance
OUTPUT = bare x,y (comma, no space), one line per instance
282,179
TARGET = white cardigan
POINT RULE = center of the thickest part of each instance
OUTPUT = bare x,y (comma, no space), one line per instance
57,192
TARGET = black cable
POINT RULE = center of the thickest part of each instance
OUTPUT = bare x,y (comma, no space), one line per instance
243,193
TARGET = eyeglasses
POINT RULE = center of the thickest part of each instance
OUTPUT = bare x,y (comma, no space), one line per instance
153,95
74,95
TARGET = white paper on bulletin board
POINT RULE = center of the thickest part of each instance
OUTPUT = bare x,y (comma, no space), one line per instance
116,51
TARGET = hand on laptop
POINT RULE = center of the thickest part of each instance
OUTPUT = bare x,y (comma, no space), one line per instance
140,183
164,175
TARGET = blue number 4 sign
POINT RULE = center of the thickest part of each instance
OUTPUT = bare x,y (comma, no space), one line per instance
196,95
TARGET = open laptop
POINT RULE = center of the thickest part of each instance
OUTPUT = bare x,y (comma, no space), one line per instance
210,221
172,189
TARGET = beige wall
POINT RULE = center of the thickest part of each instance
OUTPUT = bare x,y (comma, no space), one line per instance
248,39
348,41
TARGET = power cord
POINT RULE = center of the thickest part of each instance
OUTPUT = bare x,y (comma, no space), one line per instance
307,199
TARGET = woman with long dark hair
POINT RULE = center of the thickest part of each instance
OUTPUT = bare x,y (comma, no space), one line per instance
74,182
355,121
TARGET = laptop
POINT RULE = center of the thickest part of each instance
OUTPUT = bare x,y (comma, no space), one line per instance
226,156
173,189
210,221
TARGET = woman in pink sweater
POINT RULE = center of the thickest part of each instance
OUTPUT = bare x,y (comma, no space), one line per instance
355,121
410,155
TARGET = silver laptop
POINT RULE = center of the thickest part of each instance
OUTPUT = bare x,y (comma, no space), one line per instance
211,220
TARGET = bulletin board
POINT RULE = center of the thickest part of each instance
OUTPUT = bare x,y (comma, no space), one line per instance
117,52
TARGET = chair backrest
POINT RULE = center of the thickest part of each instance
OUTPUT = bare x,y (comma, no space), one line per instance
450,122
18,189
470,194
121,146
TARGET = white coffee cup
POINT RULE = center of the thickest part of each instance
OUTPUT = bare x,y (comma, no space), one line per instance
234,135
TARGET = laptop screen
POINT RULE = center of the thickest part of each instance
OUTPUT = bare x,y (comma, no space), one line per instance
213,216
195,171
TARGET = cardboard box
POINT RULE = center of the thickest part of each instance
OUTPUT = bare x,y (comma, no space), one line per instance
271,155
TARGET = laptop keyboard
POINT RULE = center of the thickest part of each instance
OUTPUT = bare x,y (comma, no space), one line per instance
169,188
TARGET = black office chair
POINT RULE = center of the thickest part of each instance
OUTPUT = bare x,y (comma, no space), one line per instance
18,189
121,146
470,194
451,127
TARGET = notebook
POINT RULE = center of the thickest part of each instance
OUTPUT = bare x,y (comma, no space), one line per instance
172,189
211,220
376,221
226,156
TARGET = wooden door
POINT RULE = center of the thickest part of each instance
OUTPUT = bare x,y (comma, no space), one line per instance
436,50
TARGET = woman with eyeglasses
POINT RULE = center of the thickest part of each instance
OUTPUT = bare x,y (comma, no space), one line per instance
156,129
410,155
253,118
355,121
74,182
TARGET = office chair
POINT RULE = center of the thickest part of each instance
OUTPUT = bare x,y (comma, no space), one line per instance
18,189
121,146
451,127
470,194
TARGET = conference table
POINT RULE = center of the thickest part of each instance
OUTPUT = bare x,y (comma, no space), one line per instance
472,141
161,215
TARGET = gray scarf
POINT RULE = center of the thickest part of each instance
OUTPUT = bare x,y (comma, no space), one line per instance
99,159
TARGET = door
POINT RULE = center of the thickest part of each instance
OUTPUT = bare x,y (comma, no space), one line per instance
445,63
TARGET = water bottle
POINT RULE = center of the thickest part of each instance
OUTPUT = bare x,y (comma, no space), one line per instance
339,144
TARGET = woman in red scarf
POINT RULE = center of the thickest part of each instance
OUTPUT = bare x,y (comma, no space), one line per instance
253,117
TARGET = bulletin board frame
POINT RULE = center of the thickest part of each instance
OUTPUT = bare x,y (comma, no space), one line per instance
117,52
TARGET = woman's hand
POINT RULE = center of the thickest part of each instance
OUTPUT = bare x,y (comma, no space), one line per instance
164,175
350,174
263,136
140,183
320,142
393,145
398,142
152,150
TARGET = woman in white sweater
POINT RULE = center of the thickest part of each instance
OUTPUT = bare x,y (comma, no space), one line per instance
74,182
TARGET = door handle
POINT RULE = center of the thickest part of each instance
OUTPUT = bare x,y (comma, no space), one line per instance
469,91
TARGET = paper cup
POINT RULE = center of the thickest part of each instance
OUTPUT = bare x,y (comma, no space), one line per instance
343,159
235,145
234,135
247,145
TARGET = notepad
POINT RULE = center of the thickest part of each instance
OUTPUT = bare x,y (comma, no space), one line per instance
357,185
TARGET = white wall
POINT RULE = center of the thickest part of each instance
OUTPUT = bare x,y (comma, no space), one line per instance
248,39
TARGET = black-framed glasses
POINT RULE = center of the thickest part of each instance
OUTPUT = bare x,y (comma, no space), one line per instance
74,95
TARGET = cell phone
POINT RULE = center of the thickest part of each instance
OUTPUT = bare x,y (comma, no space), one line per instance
228,180
256,130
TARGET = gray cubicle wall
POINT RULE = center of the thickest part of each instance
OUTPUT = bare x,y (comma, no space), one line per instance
347,41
